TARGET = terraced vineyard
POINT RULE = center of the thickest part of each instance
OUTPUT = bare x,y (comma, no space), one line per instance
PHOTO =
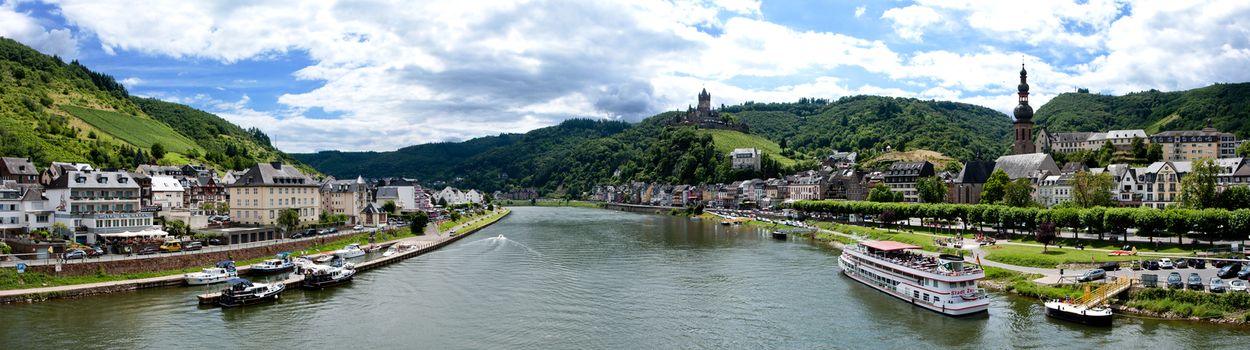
138,131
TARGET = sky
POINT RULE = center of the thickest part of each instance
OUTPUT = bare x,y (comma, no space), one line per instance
379,75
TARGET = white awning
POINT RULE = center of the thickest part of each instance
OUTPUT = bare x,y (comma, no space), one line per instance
144,233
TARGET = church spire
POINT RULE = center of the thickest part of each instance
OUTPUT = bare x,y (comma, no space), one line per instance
1024,118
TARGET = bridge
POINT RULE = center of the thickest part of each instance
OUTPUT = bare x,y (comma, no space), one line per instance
1104,292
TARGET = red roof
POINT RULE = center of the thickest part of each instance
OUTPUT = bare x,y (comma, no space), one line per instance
889,245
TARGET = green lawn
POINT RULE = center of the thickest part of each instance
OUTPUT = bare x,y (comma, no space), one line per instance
728,140
1164,246
925,242
138,131
1051,258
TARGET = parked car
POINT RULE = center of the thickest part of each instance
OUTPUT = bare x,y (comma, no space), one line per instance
1237,286
1245,273
193,246
310,232
1150,264
216,241
1182,263
1095,274
1194,282
148,250
358,227
1198,263
1135,265
1229,271
95,252
1175,281
1166,263
171,246
1217,285
1110,266
74,254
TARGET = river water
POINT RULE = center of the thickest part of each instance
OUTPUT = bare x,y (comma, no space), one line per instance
565,278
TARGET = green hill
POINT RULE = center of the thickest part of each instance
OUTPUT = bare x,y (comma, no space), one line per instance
727,140
56,111
1224,106
578,154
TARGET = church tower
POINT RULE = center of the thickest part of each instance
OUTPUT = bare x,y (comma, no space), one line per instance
1024,119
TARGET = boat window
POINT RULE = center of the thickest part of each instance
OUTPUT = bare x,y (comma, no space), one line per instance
937,300
915,294
926,296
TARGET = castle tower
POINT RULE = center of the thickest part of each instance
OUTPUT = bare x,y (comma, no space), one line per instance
1024,118
705,101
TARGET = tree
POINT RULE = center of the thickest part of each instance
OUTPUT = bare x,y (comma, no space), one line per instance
389,207
1198,186
1154,152
1139,149
1244,149
1019,193
1236,197
881,193
1046,234
1177,222
931,189
1106,152
995,187
158,151
288,219
1092,190
418,222
60,230
223,208
1148,222
177,228
1092,219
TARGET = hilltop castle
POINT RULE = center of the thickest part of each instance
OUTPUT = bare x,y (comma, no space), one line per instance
705,117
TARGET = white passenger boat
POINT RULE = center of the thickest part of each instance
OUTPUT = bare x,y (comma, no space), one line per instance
943,284
350,251
243,292
223,272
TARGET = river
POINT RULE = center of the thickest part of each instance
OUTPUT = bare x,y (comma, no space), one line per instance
569,278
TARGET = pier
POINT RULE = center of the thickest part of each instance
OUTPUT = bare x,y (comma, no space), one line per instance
420,247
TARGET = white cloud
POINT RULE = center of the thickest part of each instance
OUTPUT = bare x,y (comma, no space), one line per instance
910,22
859,11
21,26
131,82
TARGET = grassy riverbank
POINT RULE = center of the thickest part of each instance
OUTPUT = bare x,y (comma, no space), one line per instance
1050,258
1176,303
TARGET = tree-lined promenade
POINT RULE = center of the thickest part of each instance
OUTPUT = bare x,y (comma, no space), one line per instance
1204,224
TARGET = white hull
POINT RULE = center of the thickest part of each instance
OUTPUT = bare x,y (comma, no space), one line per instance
956,309
206,280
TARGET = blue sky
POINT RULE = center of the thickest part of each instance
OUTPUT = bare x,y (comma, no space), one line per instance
384,74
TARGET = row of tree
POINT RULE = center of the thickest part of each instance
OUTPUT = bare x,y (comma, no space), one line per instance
1206,224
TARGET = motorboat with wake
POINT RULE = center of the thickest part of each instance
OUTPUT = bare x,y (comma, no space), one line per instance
242,292
224,271
280,263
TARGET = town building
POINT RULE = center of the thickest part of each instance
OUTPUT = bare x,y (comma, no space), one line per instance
840,160
902,178
966,187
18,170
203,191
259,195
808,185
167,192
746,158
705,116
1191,145
1162,182
97,204
345,197
1032,166
1068,142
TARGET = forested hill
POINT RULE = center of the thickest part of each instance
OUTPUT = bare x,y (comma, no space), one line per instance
51,110
1226,106
578,154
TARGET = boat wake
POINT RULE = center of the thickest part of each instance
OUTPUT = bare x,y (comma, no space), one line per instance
496,243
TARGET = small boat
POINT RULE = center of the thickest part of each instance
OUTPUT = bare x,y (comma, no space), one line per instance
223,272
281,262
243,292
779,234
323,258
1094,316
322,276
350,251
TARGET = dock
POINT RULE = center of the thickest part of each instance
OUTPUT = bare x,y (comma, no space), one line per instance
420,247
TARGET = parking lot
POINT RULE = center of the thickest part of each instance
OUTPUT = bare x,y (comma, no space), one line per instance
1206,273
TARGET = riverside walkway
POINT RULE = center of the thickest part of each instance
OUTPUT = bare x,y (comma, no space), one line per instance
422,244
